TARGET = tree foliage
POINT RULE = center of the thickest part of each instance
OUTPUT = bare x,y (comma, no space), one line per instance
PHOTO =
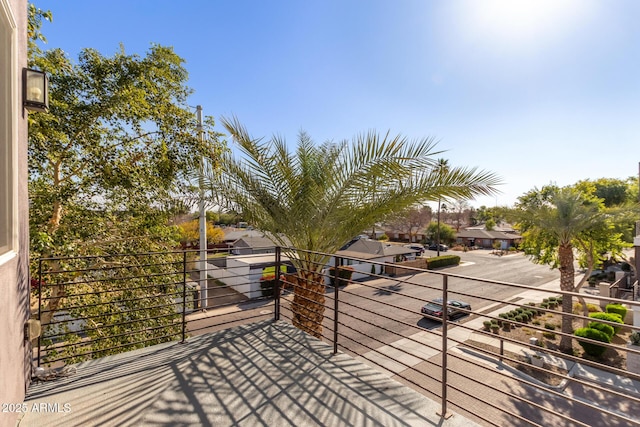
190,232
447,233
555,223
411,220
317,197
108,164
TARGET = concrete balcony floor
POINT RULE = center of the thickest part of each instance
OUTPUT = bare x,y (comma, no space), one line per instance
262,374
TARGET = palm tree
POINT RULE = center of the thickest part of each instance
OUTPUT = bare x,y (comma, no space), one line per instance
315,199
442,167
553,223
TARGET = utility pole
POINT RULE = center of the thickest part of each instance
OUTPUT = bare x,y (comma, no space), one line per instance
203,222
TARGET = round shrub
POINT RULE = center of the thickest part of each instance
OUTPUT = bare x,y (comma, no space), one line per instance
531,313
519,318
549,335
494,321
550,326
617,309
520,310
609,317
503,315
592,308
603,327
487,324
591,349
544,305
536,322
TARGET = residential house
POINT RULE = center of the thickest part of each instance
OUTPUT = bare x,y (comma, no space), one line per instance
15,351
370,253
479,236
242,273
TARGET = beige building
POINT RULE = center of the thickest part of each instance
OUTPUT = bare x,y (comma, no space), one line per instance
15,351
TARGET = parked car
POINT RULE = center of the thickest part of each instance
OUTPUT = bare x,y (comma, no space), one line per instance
434,247
418,248
434,308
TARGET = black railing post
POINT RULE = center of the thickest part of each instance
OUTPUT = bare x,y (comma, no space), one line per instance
39,306
445,326
184,295
276,286
336,285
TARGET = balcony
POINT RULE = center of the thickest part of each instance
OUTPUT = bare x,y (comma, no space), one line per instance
150,355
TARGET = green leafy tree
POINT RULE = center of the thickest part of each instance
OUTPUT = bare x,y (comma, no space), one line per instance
107,168
318,197
557,222
447,233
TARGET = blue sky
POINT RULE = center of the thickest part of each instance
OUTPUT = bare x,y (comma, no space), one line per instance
540,92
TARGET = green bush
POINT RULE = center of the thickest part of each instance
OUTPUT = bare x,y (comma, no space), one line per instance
549,335
609,317
519,318
486,324
617,309
603,327
591,349
344,275
550,326
442,261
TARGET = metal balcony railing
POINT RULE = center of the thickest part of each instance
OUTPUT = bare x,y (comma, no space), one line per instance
92,307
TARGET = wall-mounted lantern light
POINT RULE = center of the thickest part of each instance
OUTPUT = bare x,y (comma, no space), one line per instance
34,90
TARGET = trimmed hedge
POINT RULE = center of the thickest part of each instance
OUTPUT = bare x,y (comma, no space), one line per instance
591,349
616,309
603,327
442,261
609,317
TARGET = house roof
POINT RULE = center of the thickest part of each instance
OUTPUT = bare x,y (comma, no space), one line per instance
232,236
374,249
475,233
254,242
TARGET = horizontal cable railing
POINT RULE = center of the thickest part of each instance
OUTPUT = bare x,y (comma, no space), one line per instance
464,357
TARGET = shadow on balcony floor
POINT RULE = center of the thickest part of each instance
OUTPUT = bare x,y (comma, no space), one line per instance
263,374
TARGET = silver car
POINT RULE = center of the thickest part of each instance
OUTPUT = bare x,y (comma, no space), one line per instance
454,308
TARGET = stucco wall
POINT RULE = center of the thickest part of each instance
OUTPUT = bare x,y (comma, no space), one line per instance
15,368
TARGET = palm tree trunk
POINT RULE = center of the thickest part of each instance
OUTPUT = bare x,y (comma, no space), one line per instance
567,273
308,302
